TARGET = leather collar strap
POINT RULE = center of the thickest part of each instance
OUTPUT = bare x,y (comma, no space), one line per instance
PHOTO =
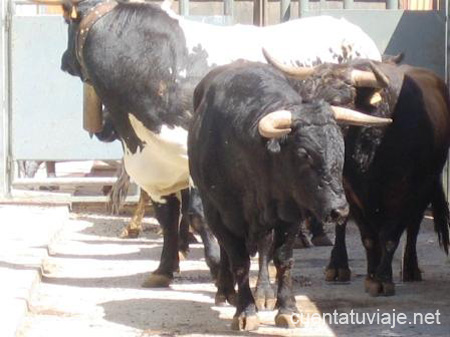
91,17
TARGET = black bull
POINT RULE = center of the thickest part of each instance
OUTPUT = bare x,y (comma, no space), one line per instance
391,176
252,181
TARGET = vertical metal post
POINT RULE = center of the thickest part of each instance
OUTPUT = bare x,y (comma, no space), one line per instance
303,7
183,7
258,13
391,4
348,4
285,10
228,7
5,186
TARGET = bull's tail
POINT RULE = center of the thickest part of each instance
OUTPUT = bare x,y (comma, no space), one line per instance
119,191
441,215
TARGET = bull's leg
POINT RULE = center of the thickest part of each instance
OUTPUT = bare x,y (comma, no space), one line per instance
370,241
411,270
264,294
225,281
245,317
301,239
133,229
183,240
210,245
197,221
390,234
389,237
235,249
119,191
319,237
338,269
373,254
168,216
287,315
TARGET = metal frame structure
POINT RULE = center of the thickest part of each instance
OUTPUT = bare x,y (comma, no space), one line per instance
5,178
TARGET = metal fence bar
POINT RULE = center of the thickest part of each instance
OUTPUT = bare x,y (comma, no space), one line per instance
259,12
303,7
183,7
348,4
228,7
391,4
285,10
3,183
65,181
5,173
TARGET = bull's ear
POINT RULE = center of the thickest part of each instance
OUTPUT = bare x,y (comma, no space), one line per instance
273,145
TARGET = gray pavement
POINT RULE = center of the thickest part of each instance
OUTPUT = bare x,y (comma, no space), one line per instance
26,233
91,285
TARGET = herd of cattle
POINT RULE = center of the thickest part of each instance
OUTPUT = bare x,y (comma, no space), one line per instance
273,125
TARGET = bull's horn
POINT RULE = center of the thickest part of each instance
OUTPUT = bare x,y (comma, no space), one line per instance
48,2
352,117
371,79
276,124
297,72
381,77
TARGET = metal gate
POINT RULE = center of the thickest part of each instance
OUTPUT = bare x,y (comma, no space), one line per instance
41,106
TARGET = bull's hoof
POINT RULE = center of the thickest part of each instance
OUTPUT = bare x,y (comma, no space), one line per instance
245,323
289,321
339,275
388,288
376,288
130,233
372,287
301,242
222,299
412,275
321,241
157,281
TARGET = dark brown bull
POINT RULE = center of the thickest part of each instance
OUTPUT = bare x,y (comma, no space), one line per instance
391,176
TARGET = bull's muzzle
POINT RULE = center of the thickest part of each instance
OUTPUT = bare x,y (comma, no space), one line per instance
339,214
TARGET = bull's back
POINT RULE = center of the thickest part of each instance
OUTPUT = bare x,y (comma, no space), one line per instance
436,105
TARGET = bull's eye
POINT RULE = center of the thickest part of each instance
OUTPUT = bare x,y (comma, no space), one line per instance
336,100
304,157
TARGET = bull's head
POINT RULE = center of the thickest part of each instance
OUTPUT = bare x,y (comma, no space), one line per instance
358,85
309,158
316,168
